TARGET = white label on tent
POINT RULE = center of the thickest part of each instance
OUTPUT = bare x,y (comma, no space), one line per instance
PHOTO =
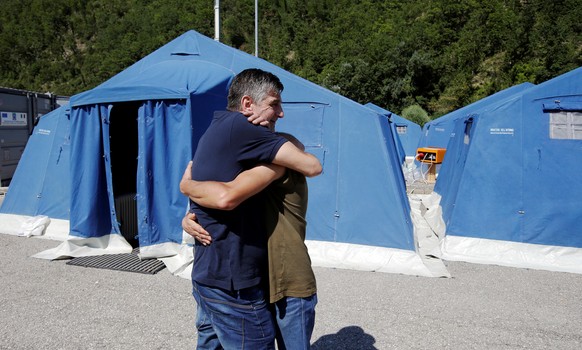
13,119
501,131
43,131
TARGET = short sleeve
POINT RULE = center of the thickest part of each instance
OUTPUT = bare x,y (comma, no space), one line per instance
255,144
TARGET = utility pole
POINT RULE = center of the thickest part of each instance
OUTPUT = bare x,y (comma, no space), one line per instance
217,20
256,28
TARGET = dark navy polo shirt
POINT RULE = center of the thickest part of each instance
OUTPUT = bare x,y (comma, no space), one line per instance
237,256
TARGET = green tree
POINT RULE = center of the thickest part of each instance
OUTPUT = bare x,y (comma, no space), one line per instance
438,54
417,114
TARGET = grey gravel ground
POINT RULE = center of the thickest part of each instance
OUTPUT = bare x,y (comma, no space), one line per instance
51,305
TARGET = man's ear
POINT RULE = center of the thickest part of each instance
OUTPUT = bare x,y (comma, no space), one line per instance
246,103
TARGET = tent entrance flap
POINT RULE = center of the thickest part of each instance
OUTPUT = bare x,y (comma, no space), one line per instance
123,154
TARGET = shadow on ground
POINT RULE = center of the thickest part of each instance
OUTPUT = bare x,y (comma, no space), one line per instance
348,338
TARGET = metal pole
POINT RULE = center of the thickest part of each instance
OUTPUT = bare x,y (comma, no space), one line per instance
217,20
256,28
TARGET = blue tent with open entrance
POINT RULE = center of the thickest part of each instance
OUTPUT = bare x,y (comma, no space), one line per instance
509,189
131,137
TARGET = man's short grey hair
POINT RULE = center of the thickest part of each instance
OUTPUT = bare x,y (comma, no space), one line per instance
255,83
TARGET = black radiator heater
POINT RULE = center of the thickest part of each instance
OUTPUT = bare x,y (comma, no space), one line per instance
126,211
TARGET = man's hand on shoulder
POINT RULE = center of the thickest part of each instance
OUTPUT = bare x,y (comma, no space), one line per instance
255,119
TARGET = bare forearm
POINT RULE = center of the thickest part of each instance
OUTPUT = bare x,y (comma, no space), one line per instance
228,195
209,194
292,157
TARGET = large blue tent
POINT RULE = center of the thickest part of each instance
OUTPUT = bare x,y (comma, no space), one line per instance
131,137
509,188
437,133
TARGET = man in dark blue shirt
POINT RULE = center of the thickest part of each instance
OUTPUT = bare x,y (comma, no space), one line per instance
229,276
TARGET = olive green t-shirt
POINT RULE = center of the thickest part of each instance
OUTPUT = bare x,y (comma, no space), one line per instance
290,272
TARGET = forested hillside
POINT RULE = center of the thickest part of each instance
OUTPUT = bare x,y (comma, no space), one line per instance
439,54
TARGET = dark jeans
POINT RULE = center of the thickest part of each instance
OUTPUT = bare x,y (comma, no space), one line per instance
295,321
233,319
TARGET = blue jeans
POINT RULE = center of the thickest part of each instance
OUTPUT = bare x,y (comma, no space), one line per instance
295,321
233,319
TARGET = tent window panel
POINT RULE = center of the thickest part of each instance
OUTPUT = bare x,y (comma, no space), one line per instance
566,125
559,132
305,119
576,125
401,129
559,118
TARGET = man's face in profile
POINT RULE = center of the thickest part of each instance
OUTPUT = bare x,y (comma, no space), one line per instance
269,109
